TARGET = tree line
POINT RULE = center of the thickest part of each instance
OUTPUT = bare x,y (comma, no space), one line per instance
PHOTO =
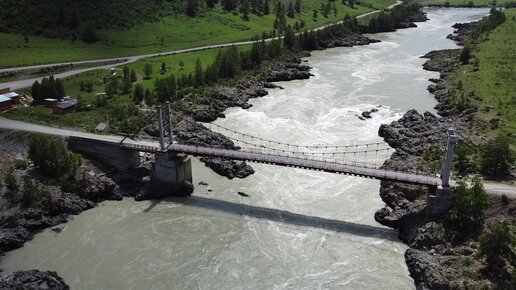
48,88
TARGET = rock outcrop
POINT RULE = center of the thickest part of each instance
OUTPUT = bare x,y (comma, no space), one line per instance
32,280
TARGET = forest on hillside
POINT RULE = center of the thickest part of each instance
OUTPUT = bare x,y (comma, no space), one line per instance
80,19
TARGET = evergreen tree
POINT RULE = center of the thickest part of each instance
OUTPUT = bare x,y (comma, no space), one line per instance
89,35
36,92
245,10
126,85
192,6
148,71
265,7
138,94
497,157
497,245
210,3
298,6
290,38
199,74
52,158
59,89
465,55
134,77
291,12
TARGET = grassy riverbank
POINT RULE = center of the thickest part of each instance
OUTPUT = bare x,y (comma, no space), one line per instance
169,33
490,78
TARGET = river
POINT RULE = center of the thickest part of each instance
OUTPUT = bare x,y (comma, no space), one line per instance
298,229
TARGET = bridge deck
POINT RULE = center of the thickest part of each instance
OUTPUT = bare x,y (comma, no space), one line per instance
295,162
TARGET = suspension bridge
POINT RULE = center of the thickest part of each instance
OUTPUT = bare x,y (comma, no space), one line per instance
364,160
172,167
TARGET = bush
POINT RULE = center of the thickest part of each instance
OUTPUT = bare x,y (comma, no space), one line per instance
52,157
465,55
496,246
11,184
31,194
20,164
497,157
505,199
468,206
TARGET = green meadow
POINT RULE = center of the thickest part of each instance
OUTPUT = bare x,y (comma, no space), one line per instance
494,82
170,33
88,120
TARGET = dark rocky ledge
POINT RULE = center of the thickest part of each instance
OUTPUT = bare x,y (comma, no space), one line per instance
32,280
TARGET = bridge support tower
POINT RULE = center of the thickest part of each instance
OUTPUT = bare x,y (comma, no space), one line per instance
171,173
439,198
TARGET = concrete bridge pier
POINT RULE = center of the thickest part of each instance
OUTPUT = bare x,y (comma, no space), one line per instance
438,199
171,175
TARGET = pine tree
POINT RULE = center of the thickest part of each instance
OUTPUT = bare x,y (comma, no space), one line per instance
298,6
245,10
192,6
148,71
265,8
290,38
291,12
199,74
134,77
36,92
59,88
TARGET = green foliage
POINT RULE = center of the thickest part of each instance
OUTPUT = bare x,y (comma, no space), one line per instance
498,246
433,157
52,157
49,88
166,89
138,94
11,182
126,118
89,34
31,194
468,206
505,199
465,54
148,71
385,22
497,157
464,161
20,164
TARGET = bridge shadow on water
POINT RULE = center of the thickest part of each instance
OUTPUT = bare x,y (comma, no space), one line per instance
283,216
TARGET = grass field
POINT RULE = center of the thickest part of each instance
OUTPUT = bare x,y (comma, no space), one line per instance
494,83
88,120
171,33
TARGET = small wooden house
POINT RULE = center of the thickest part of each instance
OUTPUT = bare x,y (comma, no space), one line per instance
63,108
5,103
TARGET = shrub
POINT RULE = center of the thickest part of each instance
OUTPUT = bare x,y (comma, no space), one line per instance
496,246
20,164
468,206
497,157
52,157
31,194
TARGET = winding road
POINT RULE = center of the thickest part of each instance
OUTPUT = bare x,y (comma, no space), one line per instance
20,84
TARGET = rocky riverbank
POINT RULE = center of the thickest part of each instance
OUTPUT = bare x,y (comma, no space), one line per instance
432,260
